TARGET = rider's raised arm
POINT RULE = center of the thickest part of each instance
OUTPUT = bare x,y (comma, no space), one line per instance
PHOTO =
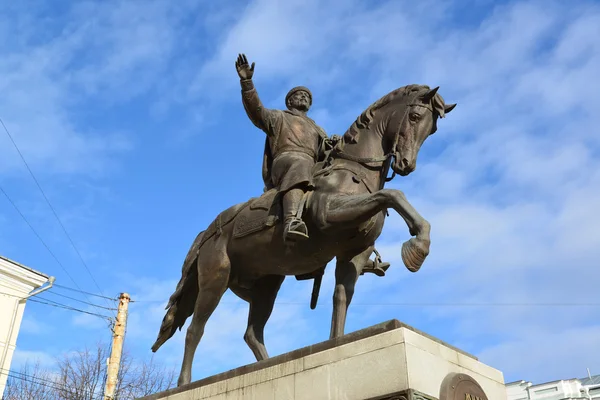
260,116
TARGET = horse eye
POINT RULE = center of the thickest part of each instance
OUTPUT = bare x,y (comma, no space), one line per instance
414,117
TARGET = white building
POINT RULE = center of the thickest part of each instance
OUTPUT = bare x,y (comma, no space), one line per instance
17,284
566,389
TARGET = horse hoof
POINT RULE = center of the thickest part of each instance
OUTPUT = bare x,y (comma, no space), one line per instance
413,254
184,379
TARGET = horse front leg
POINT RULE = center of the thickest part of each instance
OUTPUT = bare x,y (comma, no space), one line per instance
347,271
349,209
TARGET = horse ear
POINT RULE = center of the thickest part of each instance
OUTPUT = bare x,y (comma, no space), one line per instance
449,107
429,95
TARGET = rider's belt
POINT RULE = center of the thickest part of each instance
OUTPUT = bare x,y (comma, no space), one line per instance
289,149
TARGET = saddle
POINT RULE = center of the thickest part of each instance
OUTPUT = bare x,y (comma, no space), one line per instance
262,213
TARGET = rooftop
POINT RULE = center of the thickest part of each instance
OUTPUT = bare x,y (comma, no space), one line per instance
24,267
588,381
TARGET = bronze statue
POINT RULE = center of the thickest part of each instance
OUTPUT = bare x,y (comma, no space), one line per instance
293,145
244,250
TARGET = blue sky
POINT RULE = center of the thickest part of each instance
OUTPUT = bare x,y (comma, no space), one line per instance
129,114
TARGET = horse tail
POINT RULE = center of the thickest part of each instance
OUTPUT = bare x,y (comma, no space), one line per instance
182,301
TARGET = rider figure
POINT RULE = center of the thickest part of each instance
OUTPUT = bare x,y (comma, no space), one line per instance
293,146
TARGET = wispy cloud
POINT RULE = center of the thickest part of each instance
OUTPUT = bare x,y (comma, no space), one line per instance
106,53
32,326
22,357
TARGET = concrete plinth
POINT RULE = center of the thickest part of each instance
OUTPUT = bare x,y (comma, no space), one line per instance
386,361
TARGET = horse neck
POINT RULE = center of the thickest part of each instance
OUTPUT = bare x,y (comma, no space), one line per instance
368,145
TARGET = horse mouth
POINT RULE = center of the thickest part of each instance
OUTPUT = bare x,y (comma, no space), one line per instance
403,167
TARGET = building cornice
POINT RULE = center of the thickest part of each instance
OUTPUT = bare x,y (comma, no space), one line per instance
20,275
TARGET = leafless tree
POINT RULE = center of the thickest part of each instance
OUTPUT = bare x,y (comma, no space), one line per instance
30,383
80,375
142,379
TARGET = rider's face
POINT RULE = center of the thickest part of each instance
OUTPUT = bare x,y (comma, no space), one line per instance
300,100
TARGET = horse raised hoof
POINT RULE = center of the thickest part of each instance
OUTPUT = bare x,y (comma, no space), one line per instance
414,253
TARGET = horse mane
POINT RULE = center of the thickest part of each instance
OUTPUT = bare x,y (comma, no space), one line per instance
364,120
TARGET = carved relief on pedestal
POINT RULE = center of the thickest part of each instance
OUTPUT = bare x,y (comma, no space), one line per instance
461,387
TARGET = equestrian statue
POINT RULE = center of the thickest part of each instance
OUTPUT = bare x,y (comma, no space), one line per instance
323,199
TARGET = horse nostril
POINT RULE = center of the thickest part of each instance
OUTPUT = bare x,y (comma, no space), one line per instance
404,163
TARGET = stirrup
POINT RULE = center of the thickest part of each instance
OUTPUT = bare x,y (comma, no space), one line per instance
295,229
376,266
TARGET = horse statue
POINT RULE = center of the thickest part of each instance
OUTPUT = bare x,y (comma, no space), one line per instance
243,248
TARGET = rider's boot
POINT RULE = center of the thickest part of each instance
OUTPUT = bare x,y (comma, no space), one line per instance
294,228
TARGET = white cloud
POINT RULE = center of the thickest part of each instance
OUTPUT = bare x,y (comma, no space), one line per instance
316,43
22,357
105,52
93,322
34,326
543,356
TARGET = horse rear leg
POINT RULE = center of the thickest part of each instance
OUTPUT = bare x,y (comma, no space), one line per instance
213,275
262,299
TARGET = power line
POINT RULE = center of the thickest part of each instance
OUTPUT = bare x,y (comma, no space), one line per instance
58,305
360,304
87,293
36,234
24,294
401,304
54,386
376,304
43,300
56,285
368,304
80,301
39,237
8,371
51,207
66,305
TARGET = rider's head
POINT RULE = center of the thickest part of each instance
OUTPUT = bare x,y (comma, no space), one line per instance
299,98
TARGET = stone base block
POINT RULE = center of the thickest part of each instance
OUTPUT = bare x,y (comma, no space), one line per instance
389,361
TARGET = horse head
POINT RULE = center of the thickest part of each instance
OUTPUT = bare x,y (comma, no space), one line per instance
403,119
410,125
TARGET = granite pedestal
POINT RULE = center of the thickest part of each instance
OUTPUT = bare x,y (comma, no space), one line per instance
387,361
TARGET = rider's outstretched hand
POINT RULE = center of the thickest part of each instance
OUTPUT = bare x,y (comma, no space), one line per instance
244,70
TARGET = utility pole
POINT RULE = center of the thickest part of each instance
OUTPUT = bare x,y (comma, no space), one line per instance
117,348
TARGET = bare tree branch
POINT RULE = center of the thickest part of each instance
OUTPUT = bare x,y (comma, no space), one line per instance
80,375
